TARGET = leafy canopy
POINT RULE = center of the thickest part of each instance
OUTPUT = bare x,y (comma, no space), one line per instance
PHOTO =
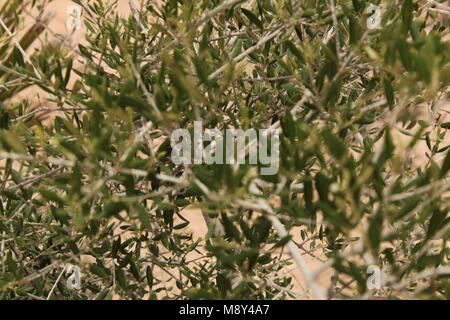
364,158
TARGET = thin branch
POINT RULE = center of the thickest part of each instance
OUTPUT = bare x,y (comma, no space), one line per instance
222,7
336,28
308,276
19,47
56,283
247,52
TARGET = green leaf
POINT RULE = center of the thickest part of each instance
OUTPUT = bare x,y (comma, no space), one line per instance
135,271
181,225
355,29
223,284
283,241
436,222
445,165
322,186
308,192
253,18
199,294
295,51
230,230
143,216
149,274
335,145
99,271
51,195
85,52
201,69
374,232
407,13
113,208
389,92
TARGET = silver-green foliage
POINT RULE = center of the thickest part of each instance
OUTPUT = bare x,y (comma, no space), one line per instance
97,181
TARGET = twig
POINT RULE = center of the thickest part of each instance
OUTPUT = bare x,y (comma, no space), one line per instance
225,5
34,296
440,6
36,178
19,47
308,276
405,195
40,273
336,27
56,283
244,54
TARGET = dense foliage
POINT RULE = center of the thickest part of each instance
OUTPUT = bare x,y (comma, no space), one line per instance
363,158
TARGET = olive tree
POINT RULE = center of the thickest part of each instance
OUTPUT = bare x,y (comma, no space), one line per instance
356,90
